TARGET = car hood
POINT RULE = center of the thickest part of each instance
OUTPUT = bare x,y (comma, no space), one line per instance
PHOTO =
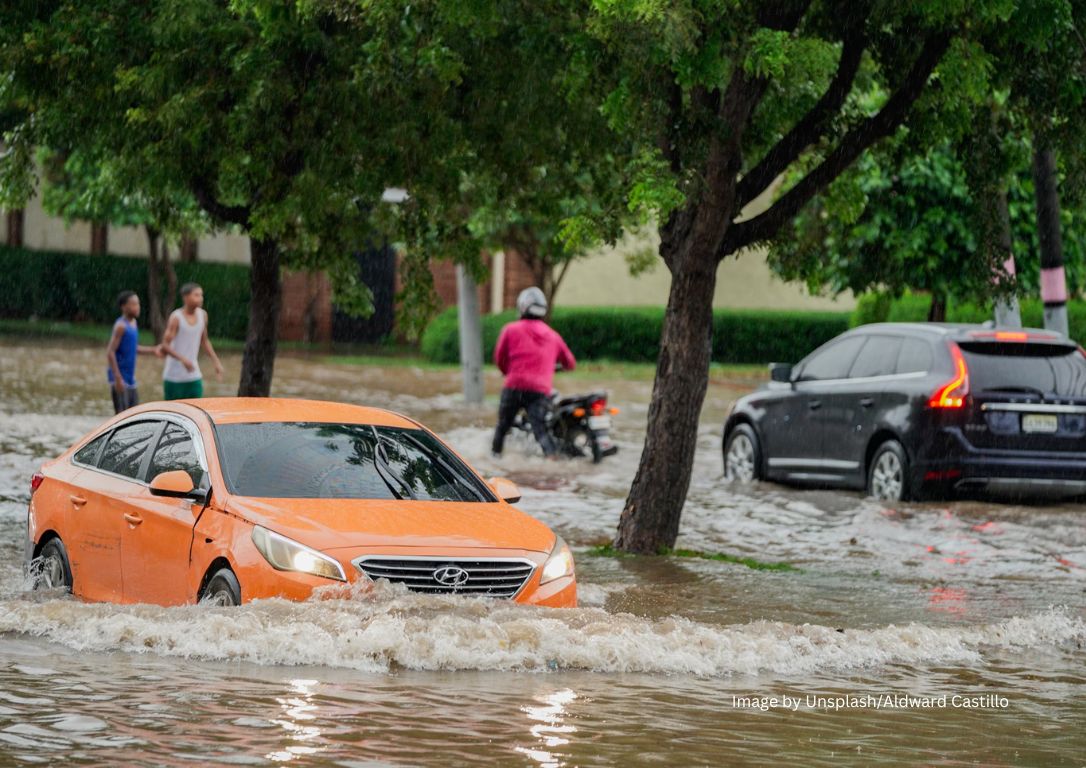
326,524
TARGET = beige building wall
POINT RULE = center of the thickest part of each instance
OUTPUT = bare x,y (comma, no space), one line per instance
743,282
48,233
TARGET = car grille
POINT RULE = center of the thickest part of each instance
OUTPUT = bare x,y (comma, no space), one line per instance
485,578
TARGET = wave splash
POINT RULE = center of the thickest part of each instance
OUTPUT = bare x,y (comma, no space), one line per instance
388,628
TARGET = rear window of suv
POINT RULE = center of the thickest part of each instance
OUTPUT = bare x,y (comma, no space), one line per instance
1043,369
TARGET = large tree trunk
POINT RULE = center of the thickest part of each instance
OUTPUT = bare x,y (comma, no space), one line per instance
99,243
1053,280
937,308
265,302
650,520
16,223
159,302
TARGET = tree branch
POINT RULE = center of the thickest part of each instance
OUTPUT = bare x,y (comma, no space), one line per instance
229,214
812,125
880,125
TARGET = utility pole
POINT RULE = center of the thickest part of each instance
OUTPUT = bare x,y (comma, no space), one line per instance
471,336
1053,279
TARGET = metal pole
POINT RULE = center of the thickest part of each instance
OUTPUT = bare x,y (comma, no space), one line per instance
471,336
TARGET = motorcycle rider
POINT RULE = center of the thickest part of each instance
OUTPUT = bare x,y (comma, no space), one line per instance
527,353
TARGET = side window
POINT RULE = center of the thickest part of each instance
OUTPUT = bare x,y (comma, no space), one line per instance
176,451
88,454
915,357
877,358
834,361
127,446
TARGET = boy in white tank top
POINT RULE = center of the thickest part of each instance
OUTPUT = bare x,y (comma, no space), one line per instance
186,333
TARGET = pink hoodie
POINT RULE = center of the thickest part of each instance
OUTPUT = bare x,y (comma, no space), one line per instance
527,352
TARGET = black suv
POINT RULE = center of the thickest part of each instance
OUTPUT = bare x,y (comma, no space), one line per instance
917,409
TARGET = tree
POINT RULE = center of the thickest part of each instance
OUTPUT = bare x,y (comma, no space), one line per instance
283,120
720,100
78,187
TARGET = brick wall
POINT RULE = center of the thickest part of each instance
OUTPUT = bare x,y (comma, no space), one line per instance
307,307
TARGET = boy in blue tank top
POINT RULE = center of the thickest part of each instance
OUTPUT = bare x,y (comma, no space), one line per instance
122,350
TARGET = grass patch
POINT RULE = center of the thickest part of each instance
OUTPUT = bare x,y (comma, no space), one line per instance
57,329
607,550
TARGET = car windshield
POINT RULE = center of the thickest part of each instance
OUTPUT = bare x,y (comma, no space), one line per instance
342,461
1045,369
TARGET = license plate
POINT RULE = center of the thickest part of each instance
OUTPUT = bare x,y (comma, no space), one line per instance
1044,423
599,422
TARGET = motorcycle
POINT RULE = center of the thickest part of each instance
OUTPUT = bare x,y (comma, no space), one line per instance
580,425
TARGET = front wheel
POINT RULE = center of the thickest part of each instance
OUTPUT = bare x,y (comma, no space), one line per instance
742,455
222,589
53,569
888,473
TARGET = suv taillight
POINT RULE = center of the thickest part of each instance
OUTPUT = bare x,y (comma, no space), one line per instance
952,394
35,481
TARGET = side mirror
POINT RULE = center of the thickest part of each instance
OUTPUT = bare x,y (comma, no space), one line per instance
780,372
506,489
176,484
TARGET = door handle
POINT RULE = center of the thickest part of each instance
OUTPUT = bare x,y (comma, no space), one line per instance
133,519
814,405
77,501
867,402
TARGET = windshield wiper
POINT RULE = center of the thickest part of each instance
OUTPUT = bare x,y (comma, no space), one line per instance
384,469
438,459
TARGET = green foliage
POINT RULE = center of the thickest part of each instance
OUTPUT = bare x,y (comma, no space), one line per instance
633,334
871,308
913,308
73,286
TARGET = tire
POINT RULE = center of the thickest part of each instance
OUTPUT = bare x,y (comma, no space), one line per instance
577,442
742,455
54,571
888,473
222,589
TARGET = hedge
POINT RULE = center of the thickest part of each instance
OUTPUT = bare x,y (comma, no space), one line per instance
79,287
633,334
913,308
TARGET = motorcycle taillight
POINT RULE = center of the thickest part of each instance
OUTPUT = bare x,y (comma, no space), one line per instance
598,406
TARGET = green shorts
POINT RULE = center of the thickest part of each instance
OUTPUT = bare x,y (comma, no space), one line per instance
183,390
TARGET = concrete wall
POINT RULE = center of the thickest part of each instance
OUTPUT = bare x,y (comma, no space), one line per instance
743,282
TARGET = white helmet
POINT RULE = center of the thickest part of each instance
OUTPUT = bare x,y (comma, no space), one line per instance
532,303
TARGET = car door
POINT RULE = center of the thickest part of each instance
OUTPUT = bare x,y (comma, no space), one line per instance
157,537
850,407
795,433
96,549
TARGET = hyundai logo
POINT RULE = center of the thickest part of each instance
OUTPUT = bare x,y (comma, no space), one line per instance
451,576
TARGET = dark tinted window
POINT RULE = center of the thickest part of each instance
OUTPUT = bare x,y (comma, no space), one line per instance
127,446
88,454
176,451
834,361
915,357
342,461
877,358
1049,369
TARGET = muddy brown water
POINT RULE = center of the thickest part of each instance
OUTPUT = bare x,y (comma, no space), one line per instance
936,634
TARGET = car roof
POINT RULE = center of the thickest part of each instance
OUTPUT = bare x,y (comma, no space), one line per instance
241,410
964,331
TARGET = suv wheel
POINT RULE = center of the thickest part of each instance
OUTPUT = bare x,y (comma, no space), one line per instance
888,473
742,455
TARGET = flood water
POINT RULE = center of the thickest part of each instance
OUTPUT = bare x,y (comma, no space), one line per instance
935,634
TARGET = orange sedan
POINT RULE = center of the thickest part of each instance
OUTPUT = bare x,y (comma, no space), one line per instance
236,499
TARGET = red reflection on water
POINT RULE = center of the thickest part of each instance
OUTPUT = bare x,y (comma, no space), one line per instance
948,600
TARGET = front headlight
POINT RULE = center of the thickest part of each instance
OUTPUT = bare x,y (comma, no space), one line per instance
559,564
285,554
